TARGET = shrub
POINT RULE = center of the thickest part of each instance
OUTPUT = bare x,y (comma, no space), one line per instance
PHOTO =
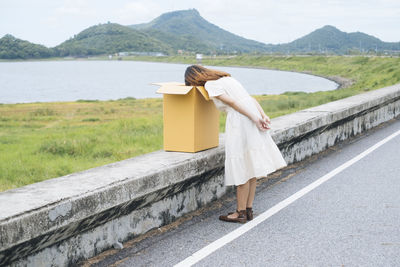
43,112
91,119
68,147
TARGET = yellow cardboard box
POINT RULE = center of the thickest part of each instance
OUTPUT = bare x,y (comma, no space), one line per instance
191,120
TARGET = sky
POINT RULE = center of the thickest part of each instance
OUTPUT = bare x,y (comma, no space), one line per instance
50,22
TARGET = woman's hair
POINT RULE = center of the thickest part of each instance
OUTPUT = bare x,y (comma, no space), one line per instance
197,75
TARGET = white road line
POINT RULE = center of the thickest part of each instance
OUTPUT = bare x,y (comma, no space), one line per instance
207,250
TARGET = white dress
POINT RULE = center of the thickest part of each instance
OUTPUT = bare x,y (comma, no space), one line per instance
249,152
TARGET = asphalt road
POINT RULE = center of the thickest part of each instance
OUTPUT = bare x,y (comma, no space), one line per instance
352,219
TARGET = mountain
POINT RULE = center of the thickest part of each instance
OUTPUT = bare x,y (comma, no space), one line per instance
332,40
14,48
110,38
187,30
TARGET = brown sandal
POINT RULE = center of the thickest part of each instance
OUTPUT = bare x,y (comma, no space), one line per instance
242,218
249,213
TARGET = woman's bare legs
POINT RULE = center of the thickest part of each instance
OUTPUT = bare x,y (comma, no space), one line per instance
252,192
245,196
242,196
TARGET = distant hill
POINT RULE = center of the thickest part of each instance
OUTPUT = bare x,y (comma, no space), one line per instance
331,40
110,38
187,30
14,48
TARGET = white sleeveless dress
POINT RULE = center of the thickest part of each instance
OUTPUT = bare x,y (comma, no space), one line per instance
249,152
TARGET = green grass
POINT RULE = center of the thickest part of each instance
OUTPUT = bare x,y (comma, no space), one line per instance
39,141
44,140
366,73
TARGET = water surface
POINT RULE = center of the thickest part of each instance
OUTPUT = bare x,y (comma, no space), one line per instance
48,81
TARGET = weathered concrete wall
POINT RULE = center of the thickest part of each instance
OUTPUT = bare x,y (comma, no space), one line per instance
312,130
63,220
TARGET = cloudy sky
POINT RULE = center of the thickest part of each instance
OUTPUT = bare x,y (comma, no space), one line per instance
51,22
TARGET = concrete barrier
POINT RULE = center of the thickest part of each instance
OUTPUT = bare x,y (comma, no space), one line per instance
61,221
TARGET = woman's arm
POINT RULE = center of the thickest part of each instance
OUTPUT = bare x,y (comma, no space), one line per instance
261,110
261,124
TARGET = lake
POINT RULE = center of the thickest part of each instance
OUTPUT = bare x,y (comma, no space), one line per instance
48,81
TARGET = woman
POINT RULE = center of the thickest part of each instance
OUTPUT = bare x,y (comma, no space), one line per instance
250,151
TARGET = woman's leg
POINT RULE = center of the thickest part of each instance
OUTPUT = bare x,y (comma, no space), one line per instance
252,192
242,195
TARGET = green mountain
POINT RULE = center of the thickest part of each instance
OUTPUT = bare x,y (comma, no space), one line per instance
14,48
329,39
187,30
110,38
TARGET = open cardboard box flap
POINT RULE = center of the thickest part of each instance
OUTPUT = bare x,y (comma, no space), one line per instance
176,88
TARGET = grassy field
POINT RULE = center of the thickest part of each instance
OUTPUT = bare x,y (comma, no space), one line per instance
39,141
44,140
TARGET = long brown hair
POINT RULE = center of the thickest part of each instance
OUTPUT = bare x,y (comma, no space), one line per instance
197,75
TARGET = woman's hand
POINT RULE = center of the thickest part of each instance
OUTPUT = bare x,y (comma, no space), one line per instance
266,118
262,125
261,122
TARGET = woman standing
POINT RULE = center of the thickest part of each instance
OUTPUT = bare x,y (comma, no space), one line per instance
250,151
